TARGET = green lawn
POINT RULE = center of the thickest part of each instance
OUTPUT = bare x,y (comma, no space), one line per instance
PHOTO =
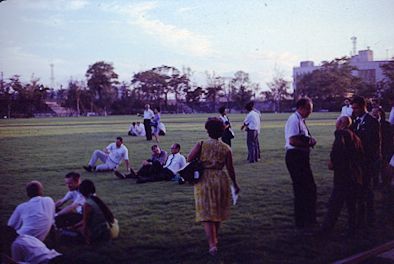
157,219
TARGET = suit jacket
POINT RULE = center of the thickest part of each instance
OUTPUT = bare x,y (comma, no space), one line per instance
369,133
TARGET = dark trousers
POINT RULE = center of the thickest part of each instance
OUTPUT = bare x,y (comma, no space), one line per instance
304,187
365,202
252,141
164,175
67,220
148,129
226,140
341,195
150,169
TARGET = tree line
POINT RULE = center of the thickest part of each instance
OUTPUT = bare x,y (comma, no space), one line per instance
174,91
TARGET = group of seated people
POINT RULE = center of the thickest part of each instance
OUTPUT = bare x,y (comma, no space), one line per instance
86,216
137,129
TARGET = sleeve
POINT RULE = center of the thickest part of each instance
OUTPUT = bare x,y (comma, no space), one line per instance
126,154
66,197
247,119
15,220
182,162
292,127
17,252
163,158
110,147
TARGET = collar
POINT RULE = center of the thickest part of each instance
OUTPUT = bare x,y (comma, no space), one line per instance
299,115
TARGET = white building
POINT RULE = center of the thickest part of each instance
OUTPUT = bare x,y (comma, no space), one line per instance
368,69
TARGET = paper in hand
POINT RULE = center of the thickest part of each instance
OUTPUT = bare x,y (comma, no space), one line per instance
234,195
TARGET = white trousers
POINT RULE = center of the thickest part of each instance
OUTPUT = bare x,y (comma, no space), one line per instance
101,155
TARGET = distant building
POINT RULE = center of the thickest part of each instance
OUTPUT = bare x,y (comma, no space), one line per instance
368,69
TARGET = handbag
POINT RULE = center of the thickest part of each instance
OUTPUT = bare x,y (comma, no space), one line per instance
192,172
114,229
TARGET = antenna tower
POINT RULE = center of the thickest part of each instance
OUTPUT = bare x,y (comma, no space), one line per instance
52,76
354,42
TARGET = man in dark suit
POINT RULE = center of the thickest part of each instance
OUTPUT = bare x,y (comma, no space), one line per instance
368,130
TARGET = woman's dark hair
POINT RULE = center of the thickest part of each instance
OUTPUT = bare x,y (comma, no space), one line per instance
222,110
249,106
215,127
158,109
87,189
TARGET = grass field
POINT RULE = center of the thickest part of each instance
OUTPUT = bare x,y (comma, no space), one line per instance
157,219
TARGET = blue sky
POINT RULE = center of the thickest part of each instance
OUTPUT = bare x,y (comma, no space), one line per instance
263,38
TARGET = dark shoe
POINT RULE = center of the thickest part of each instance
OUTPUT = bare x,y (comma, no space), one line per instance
88,168
120,175
131,175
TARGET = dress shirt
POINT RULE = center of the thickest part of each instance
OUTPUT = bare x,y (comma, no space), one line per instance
347,110
160,158
117,154
28,249
34,217
295,125
148,114
77,198
175,162
252,120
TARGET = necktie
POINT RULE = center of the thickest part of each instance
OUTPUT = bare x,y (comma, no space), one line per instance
173,156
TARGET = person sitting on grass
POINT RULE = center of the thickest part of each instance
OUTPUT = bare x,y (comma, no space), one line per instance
150,166
140,129
34,217
111,156
174,163
132,130
72,213
20,248
97,217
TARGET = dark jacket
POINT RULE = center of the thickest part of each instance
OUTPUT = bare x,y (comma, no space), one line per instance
369,133
346,154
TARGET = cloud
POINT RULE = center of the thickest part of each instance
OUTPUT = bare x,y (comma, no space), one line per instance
172,36
52,5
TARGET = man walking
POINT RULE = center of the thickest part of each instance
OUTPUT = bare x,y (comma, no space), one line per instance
298,144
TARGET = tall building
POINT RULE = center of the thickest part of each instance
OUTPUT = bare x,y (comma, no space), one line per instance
368,69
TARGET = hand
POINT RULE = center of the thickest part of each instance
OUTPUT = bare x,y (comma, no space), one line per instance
312,142
145,163
237,189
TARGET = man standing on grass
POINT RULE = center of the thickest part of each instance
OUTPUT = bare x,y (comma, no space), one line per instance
252,124
111,157
298,145
148,116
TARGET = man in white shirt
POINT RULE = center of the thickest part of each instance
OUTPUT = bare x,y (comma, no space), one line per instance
72,213
148,116
347,109
298,144
174,163
252,124
111,157
140,130
28,249
34,217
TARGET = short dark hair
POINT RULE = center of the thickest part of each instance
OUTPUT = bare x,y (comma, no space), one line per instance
222,109
214,127
303,102
87,188
249,106
154,146
74,175
119,138
359,100
33,189
177,145
157,108
133,123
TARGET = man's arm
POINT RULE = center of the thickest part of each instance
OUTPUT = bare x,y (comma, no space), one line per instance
126,162
15,220
71,208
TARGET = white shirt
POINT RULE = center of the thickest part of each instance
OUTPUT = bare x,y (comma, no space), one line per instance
161,126
132,129
391,116
175,162
252,120
140,130
116,155
346,110
148,114
76,198
294,126
28,249
34,217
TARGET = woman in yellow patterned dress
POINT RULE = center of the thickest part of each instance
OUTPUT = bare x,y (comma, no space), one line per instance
212,193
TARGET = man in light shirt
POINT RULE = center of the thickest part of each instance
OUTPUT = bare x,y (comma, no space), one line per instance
72,213
111,157
132,130
252,124
347,109
174,163
140,130
34,217
148,116
298,145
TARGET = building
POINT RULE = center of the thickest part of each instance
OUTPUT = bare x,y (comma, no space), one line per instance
368,69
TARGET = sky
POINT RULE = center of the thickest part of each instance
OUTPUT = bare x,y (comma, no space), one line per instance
263,38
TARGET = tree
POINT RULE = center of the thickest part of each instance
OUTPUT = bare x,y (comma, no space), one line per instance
278,91
388,82
214,89
193,97
242,89
101,80
150,86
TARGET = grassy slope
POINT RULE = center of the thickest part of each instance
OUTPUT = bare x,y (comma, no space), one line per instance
157,219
